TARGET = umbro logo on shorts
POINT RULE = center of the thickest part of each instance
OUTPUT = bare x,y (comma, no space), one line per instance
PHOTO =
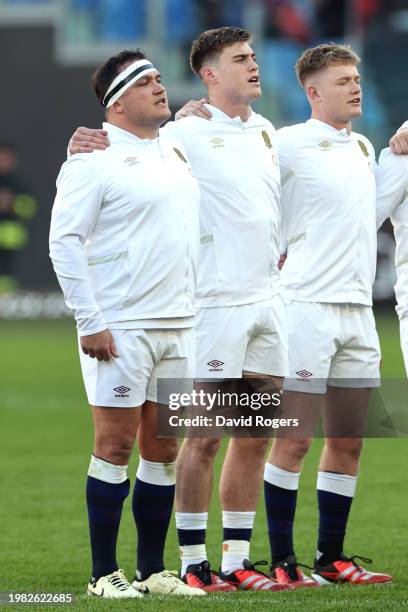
304,375
215,365
121,391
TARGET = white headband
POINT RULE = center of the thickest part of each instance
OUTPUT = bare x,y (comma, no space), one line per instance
125,79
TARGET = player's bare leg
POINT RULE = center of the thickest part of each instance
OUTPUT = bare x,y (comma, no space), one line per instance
244,462
195,474
152,504
344,414
115,433
281,482
193,495
107,489
240,488
151,446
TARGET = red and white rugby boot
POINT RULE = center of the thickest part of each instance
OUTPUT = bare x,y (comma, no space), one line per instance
201,576
288,572
345,570
249,579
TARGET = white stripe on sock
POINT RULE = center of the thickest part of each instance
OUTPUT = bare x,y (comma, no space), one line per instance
238,520
281,478
155,473
191,520
107,472
342,484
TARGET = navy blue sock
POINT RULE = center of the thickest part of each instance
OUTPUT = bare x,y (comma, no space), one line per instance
105,502
280,511
191,537
152,507
237,534
334,510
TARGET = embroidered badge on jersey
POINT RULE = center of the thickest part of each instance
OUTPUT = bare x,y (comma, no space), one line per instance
363,148
268,143
180,155
267,139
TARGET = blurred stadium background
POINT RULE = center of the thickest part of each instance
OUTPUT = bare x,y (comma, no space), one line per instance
49,49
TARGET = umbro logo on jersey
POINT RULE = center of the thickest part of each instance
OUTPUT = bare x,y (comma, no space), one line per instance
131,161
217,142
304,374
121,391
325,145
215,365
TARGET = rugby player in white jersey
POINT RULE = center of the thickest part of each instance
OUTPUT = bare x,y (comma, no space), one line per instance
124,243
329,229
392,201
240,323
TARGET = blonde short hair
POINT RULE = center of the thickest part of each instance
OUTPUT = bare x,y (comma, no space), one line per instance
329,54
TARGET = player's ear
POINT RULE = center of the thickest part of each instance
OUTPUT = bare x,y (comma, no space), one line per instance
312,93
208,74
117,107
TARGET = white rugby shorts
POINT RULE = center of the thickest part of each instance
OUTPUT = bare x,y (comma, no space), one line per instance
404,340
145,355
247,338
331,344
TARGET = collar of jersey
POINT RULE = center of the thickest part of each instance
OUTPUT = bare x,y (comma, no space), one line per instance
116,134
219,115
322,126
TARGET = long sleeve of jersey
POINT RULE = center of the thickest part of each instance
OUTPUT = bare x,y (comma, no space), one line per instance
286,146
391,181
76,208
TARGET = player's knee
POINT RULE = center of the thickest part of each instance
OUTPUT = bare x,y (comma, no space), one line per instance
254,446
117,450
166,450
202,448
293,448
300,448
347,447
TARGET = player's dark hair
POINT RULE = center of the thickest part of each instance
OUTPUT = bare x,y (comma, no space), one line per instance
328,54
212,42
104,74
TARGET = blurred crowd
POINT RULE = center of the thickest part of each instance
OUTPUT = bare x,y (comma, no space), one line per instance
301,20
17,207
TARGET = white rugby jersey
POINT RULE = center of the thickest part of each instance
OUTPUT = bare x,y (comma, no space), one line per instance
124,233
237,168
328,214
392,200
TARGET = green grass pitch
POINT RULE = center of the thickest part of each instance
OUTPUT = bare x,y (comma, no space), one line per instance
46,440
